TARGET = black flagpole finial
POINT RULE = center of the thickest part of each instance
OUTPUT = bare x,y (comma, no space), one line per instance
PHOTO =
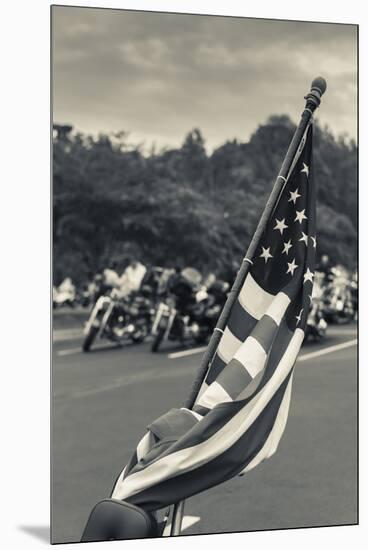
319,85
317,90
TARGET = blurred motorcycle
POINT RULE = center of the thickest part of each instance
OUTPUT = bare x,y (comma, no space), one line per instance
316,323
338,303
64,294
190,310
118,320
354,294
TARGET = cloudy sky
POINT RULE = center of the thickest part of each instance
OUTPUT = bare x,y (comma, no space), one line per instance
158,75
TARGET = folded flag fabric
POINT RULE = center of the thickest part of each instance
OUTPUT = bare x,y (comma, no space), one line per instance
241,411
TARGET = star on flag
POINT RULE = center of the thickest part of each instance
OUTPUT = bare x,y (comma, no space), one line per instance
266,254
291,267
314,241
300,216
281,225
298,317
305,169
294,195
308,276
304,238
287,247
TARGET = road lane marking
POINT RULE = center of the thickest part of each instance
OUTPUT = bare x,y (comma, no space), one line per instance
188,521
70,351
108,346
62,335
304,357
337,331
187,352
330,349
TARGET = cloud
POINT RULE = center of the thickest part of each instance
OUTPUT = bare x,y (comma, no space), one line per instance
159,75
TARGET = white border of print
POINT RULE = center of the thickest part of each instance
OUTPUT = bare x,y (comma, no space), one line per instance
25,274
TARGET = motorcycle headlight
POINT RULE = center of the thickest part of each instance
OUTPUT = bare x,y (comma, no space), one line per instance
195,328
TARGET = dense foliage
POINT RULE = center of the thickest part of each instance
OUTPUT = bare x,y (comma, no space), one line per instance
183,206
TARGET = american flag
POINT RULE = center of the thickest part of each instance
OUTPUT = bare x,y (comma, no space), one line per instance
241,411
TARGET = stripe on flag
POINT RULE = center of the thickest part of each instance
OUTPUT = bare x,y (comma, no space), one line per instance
254,299
241,323
214,394
252,355
277,307
270,447
228,345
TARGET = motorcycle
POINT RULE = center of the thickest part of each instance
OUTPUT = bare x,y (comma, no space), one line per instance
316,326
64,294
84,296
354,295
190,310
118,320
338,303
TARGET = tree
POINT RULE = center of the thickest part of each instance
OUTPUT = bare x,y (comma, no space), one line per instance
182,206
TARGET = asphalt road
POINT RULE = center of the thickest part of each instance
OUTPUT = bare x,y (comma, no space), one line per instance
103,400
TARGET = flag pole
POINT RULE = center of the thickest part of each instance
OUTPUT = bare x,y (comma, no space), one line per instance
313,99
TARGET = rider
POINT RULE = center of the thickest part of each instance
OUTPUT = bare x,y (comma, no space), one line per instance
65,292
132,277
110,275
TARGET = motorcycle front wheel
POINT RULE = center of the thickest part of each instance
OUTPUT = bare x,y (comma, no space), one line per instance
158,338
90,336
